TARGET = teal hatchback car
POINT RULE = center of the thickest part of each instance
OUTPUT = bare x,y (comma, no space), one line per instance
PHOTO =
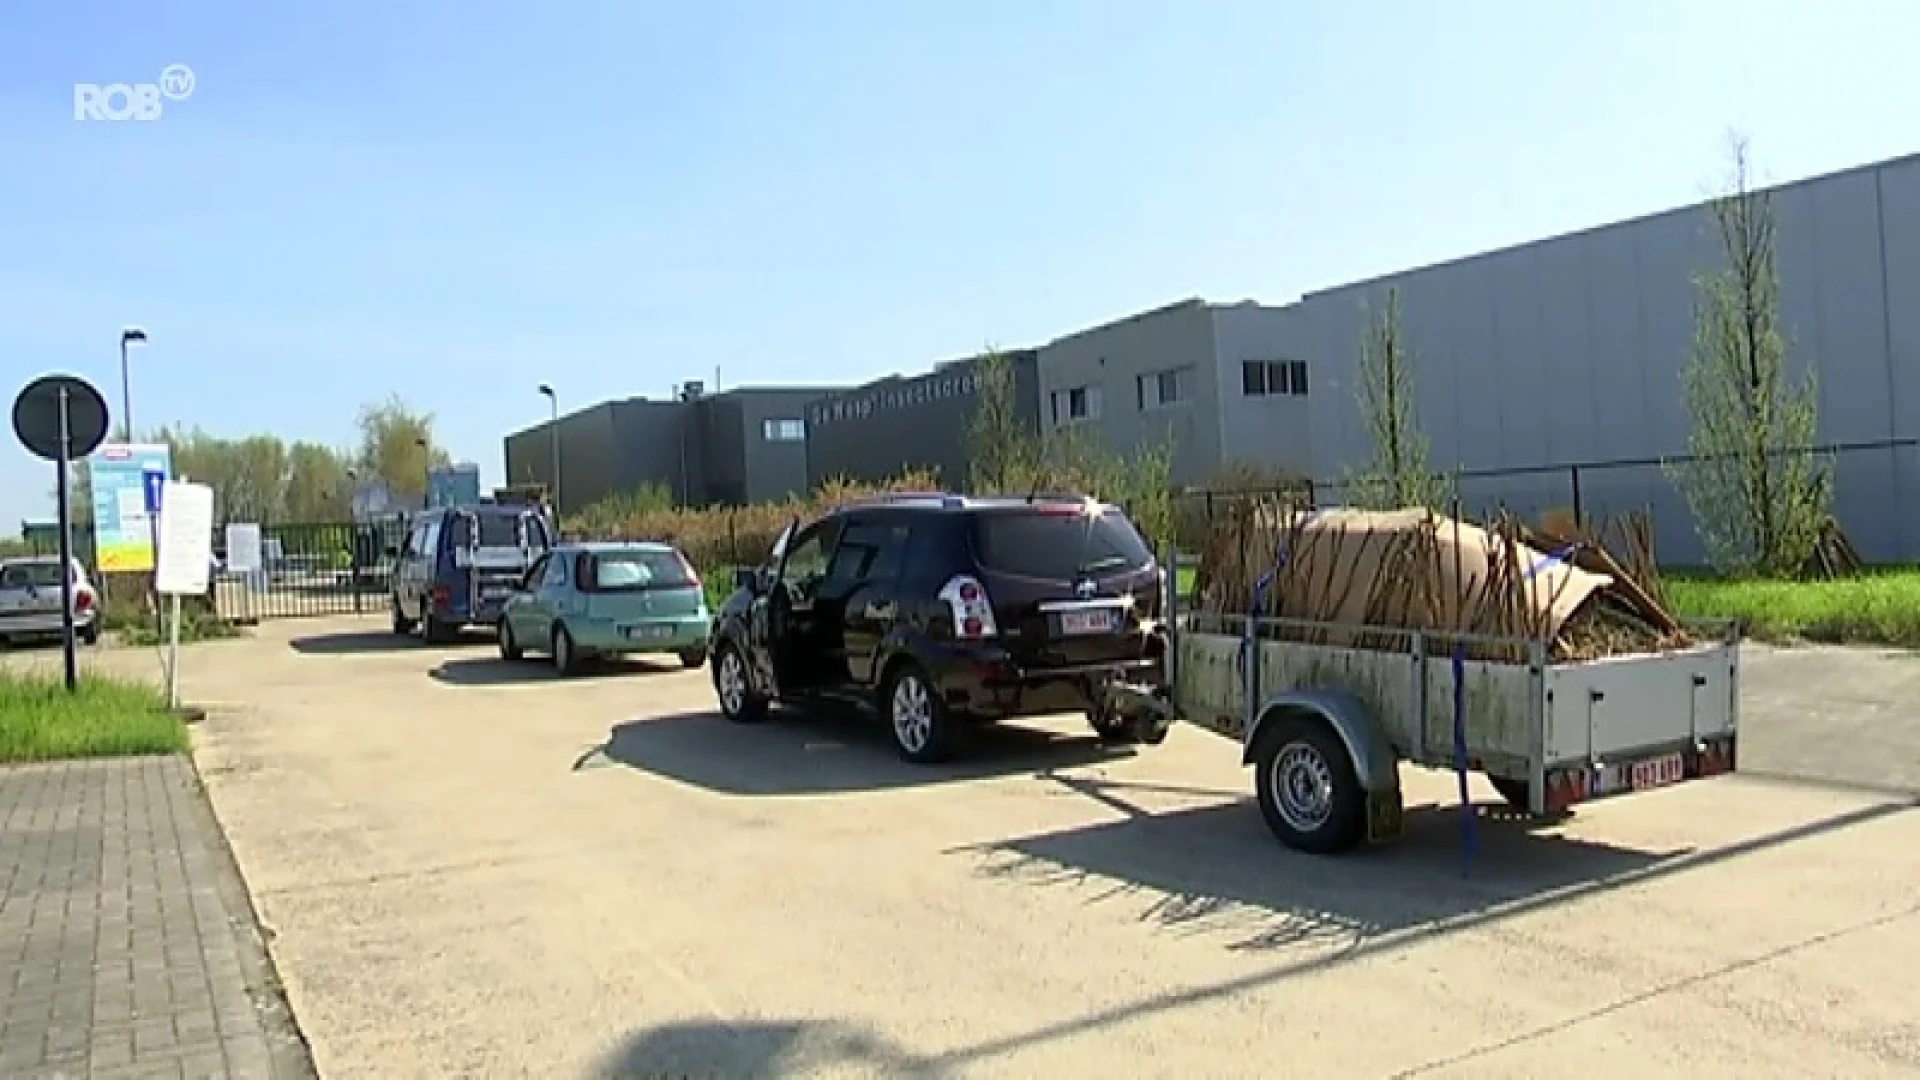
579,601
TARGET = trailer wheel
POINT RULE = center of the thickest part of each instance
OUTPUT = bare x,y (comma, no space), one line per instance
1309,793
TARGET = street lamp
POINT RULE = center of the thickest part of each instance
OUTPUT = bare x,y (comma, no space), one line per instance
553,437
426,471
132,335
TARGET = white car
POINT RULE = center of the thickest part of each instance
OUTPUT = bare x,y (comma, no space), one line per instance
30,599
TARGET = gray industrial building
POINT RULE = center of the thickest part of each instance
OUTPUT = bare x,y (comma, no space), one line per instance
876,431
1220,382
736,447
1559,353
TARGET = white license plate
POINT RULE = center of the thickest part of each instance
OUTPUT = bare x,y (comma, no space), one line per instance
648,633
1657,772
1098,621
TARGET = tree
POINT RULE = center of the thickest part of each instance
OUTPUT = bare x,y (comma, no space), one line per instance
319,484
1009,459
1758,493
1005,454
396,446
1397,473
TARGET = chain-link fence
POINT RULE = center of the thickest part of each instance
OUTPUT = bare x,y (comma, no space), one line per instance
1873,497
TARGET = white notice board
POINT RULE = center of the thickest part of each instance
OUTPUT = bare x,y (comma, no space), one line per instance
186,540
243,548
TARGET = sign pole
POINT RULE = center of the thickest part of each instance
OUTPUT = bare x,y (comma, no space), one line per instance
173,657
186,550
63,495
59,418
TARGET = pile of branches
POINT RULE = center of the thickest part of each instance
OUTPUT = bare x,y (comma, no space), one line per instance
1409,570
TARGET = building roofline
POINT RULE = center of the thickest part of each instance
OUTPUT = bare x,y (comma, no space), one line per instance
1589,230
943,367
1191,302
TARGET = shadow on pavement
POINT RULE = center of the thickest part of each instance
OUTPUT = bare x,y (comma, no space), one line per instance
1217,870
824,753
493,671
355,642
789,1048
1297,887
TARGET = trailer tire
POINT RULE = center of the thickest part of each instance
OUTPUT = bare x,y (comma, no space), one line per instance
1307,788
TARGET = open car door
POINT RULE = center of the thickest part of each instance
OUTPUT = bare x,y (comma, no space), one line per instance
534,537
765,617
465,532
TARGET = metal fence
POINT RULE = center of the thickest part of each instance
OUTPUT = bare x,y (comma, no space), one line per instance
332,568
326,568
1872,497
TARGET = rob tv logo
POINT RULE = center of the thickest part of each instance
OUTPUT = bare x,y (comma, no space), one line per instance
132,101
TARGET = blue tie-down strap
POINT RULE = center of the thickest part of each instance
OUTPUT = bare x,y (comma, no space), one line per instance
1546,562
1260,585
1469,839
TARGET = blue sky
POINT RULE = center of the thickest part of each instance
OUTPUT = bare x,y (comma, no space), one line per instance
457,201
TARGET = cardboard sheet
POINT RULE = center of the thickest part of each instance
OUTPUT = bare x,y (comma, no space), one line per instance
1408,569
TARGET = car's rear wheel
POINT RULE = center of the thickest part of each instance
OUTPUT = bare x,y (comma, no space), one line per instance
90,633
923,726
731,683
401,624
435,631
566,656
509,647
694,657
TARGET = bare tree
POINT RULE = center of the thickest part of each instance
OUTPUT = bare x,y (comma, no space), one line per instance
1009,458
1397,473
1005,454
1759,495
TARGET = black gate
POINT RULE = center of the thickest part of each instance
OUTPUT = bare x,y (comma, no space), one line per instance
335,568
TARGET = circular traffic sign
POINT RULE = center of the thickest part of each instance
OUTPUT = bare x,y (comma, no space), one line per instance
36,417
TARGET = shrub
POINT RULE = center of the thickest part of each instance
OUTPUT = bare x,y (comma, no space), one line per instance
718,538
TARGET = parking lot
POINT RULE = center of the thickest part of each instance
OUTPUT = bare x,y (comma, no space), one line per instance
469,867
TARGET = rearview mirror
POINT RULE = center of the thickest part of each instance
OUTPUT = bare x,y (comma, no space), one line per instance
746,577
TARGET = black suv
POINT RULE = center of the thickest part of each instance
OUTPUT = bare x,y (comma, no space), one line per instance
940,611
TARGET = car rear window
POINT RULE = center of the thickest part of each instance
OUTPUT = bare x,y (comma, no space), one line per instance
613,571
36,575
496,530
1058,544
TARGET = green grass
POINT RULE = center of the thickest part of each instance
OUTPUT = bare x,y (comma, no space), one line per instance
1876,608
193,627
104,717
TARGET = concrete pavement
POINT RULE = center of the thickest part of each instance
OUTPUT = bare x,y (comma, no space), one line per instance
478,869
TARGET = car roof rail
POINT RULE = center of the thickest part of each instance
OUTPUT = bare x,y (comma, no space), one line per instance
881,497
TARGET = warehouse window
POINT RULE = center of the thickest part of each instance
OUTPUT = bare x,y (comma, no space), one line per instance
785,430
1162,388
1075,404
1267,378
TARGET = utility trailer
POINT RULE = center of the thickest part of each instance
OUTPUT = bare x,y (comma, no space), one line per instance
1326,723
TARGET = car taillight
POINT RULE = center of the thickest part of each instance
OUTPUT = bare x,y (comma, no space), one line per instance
441,594
972,611
83,601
